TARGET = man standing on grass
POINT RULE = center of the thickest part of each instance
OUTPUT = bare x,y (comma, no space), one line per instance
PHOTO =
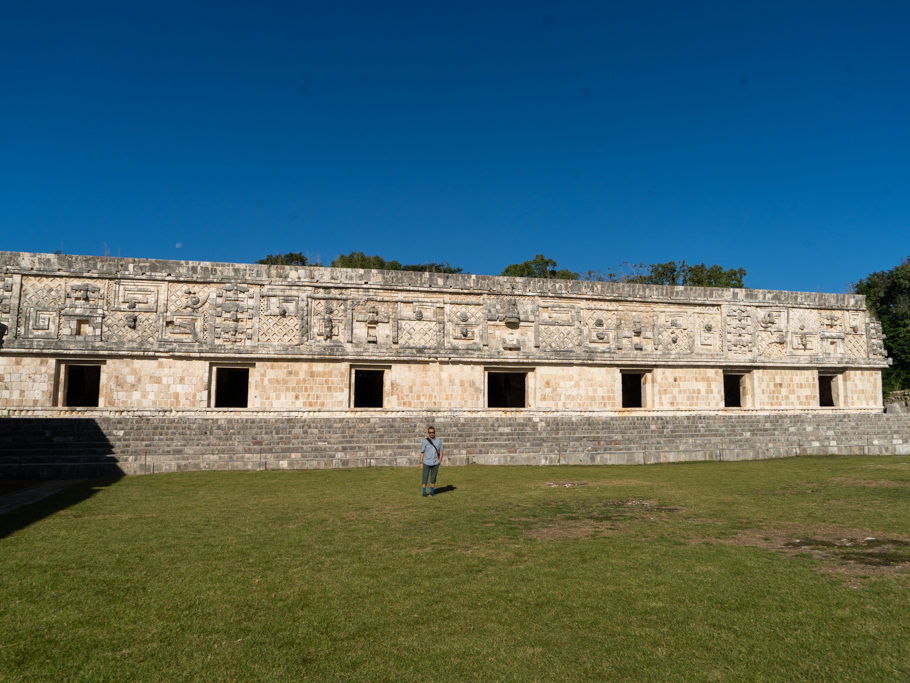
430,457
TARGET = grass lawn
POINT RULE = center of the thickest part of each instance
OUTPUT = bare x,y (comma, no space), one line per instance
782,569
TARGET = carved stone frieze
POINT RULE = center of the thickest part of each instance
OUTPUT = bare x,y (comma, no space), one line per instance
48,302
740,331
39,312
373,321
328,319
804,332
186,317
674,333
636,332
6,295
138,297
282,317
233,312
876,339
464,322
707,332
600,328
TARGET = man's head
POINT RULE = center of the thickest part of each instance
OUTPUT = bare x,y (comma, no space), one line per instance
431,432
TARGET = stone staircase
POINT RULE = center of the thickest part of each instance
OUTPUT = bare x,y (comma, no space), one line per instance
131,444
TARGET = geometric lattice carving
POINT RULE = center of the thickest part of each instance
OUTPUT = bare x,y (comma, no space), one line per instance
558,337
279,318
41,300
282,331
771,344
675,335
855,345
131,329
418,333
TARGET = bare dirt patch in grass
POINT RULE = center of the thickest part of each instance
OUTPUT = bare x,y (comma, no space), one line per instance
565,483
593,518
841,549
571,528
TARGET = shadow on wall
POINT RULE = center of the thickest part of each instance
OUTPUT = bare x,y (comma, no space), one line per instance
55,448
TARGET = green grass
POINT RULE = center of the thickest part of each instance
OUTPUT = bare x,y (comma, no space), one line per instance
731,571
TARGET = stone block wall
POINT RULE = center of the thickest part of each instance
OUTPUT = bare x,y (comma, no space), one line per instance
162,331
296,385
785,388
582,388
688,388
151,444
862,388
26,381
159,383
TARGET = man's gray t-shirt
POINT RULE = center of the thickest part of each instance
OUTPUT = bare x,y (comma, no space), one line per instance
430,455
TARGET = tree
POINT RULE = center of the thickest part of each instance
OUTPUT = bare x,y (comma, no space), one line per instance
680,274
540,266
887,295
357,259
443,267
289,259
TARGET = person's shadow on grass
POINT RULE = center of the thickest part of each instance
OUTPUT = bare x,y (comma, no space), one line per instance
444,489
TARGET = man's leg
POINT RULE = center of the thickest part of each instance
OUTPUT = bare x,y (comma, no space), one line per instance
433,470
425,472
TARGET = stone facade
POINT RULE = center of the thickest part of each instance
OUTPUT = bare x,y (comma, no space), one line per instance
165,335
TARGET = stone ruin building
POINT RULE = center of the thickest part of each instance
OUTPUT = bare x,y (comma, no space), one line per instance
134,366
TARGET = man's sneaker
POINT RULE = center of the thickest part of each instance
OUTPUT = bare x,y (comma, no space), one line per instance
432,493
424,494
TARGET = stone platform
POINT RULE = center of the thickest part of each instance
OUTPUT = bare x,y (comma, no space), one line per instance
147,444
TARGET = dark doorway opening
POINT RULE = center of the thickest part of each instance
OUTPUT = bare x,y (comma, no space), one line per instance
83,386
232,387
506,389
826,391
368,388
732,395
631,389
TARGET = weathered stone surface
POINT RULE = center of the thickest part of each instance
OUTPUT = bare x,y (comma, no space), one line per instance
162,340
161,326
131,444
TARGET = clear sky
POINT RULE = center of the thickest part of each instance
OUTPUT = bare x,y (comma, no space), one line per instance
773,136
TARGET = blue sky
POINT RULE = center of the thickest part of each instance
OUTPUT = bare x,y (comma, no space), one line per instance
772,136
